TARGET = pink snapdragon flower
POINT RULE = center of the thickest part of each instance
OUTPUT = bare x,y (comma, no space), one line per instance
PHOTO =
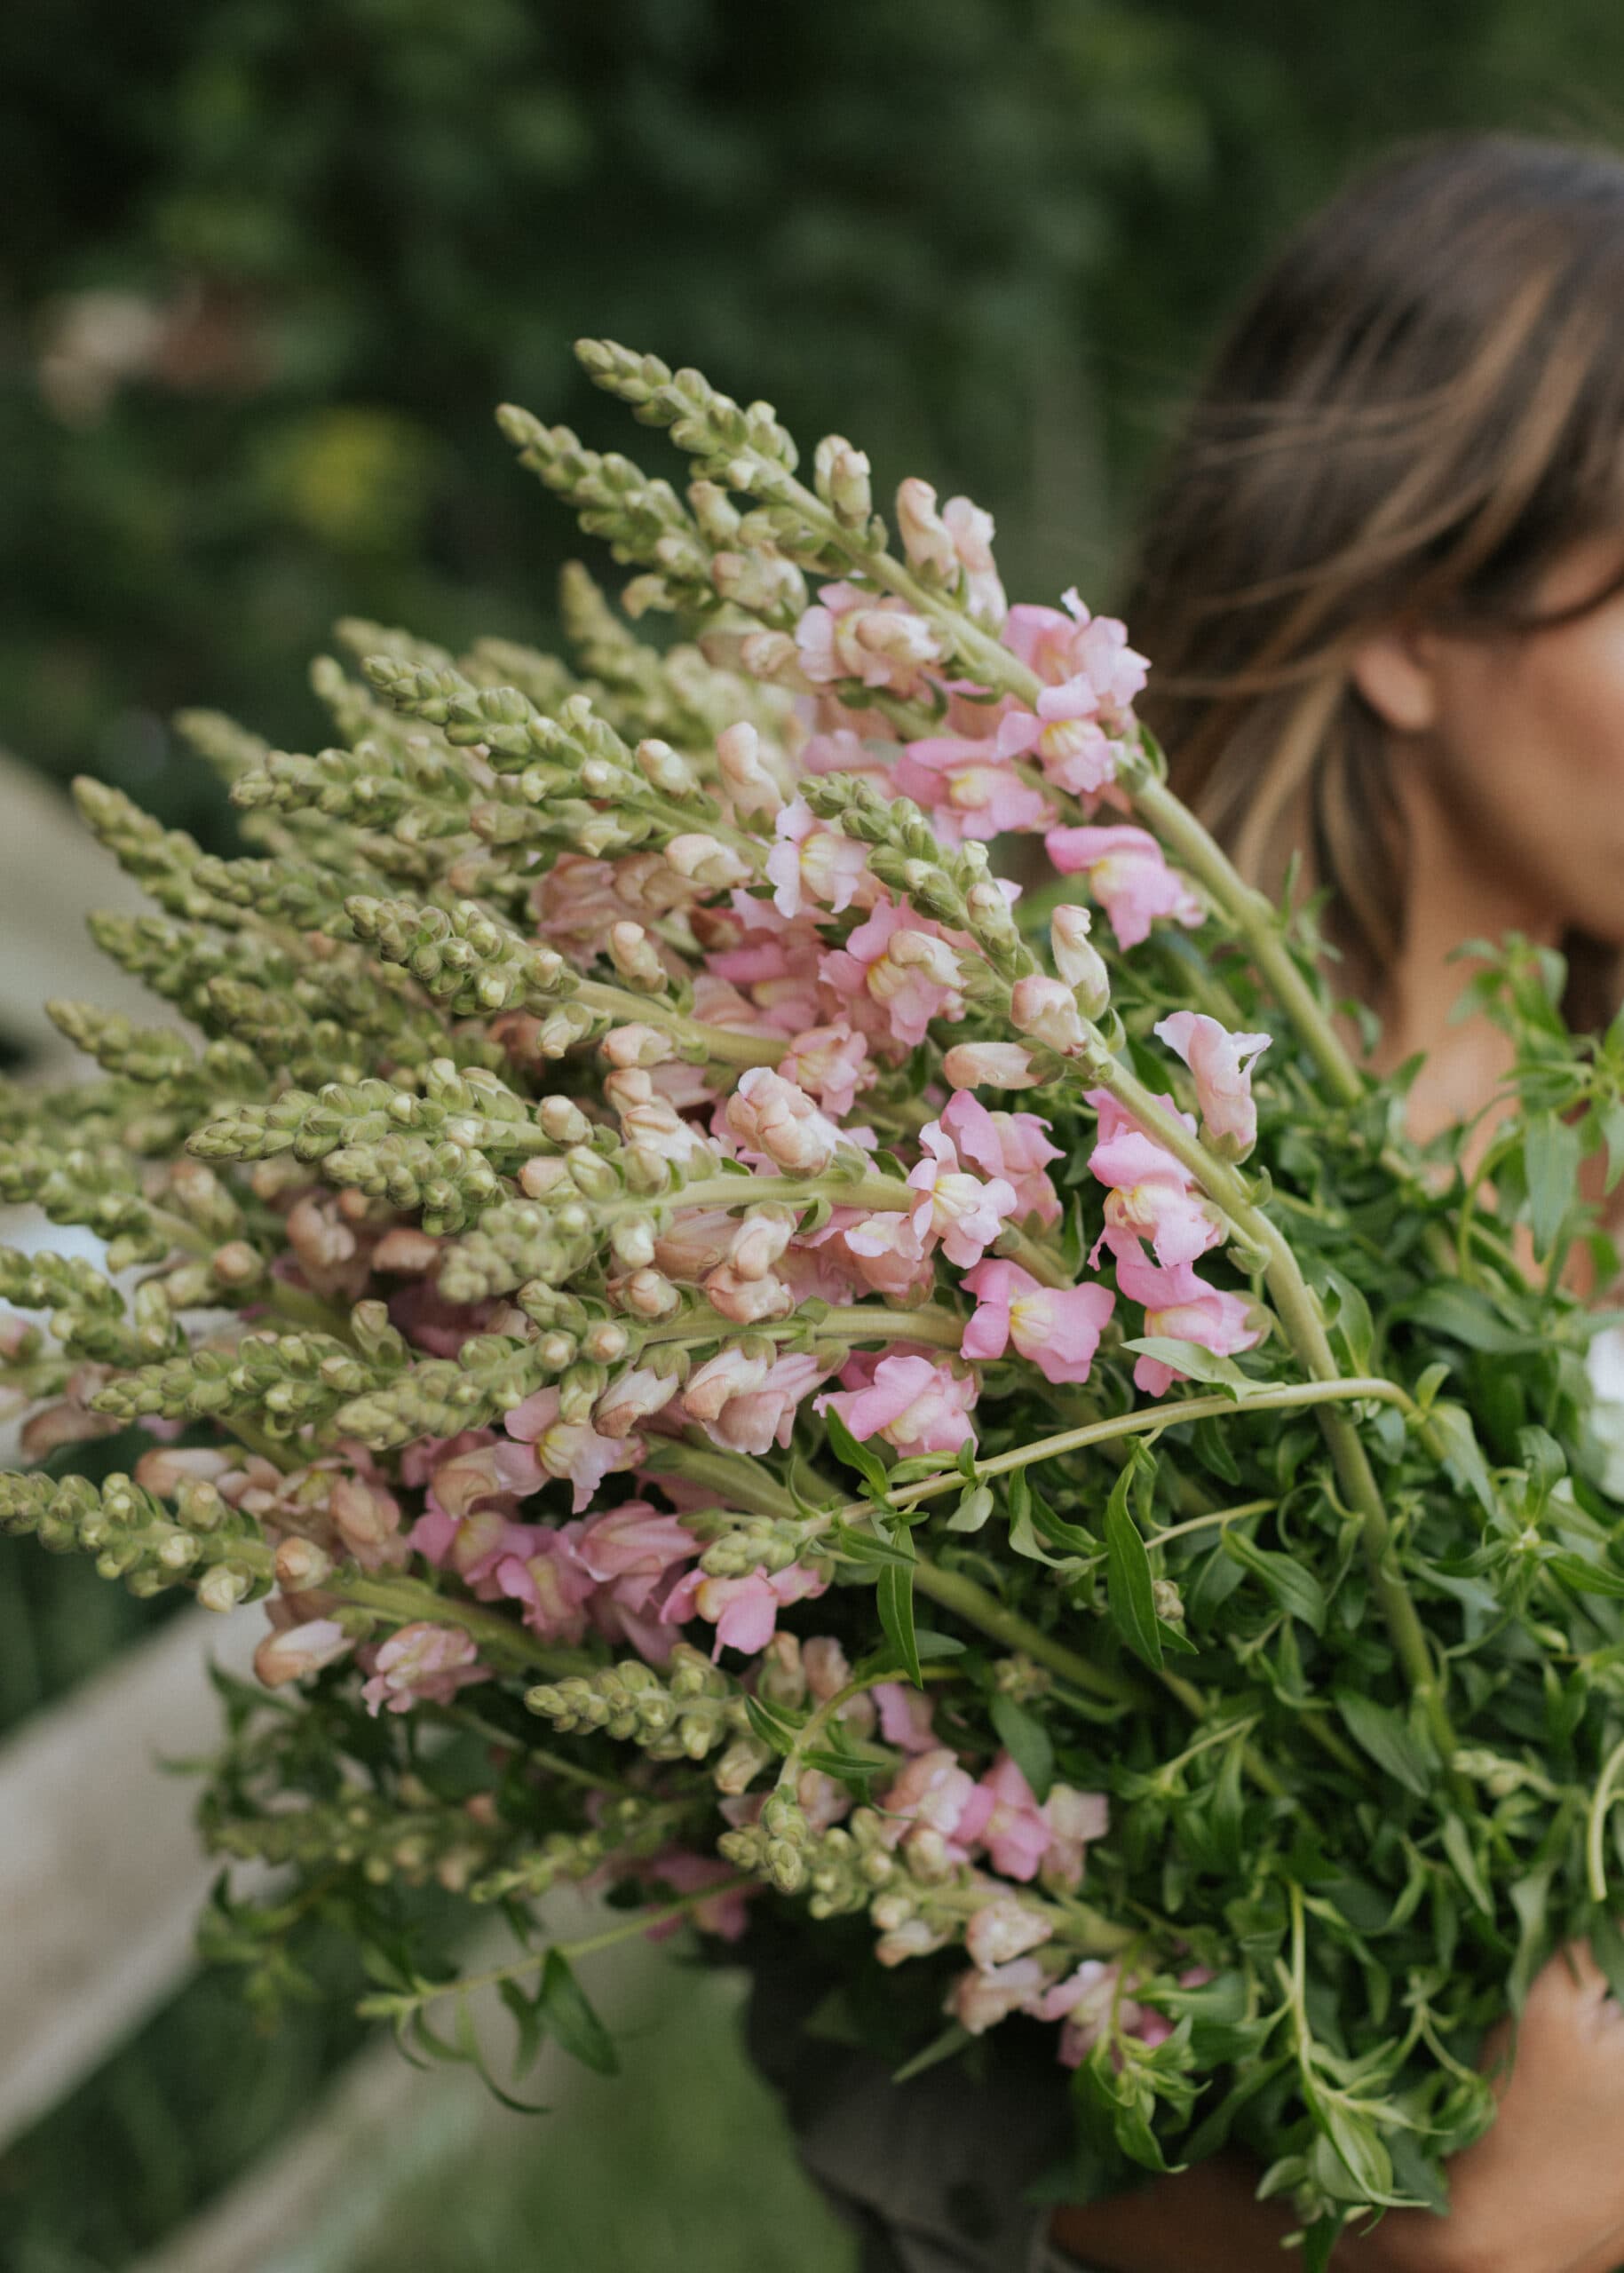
989,1066
898,970
635,1541
1012,1146
1064,648
1183,1307
422,1662
547,1578
832,1063
932,1793
1083,2001
959,538
1015,1832
1047,1010
849,634
884,1252
1221,1063
294,1653
1004,1929
1057,1328
1127,876
724,1913
979,2000
914,1402
1075,1819
746,1404
1152,1196
961,1211
571,1448
744,1611
474,1546
775,1124
905,1716
814,865
967,792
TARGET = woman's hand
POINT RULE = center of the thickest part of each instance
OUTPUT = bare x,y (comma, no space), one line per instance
1542,2191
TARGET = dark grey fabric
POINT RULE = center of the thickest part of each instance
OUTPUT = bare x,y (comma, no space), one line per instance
931,2174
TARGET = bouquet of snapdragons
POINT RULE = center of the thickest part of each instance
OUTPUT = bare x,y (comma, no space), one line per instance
787,1290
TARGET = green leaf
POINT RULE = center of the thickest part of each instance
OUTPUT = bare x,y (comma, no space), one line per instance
846,1449
1189,1358
566,2012
1552,1154
774,1729
1451,1428
1465,1314
1613,1137
953,2038
1129,1596
973,1509
931,1644
527,2023
895,1594
1353,1326
1025,1739
1293,1585
869,1547
1585,1578
1383,1734
1463,1856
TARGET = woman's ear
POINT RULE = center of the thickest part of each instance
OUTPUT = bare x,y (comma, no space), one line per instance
1394,671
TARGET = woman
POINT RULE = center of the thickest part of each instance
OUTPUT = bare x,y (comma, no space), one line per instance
1383,592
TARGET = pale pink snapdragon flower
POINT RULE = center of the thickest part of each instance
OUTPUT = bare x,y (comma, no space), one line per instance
1221,1063
1057,1328
814,865
932,1793
1013,1145
961,1211
989,1066
1061,648
1150,1196
898,968
1047,1010
906,1718
1005,1928
884,1252
981,1999
722,1914
1182,1307
752,785
916,1404
744,1611
569,1448
775,1124
295,1652
1127,874
850,633
746,1406
633,1396
424,1662
547,1579
968,793
832,1063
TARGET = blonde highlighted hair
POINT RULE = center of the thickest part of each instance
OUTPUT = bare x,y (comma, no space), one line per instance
1419,411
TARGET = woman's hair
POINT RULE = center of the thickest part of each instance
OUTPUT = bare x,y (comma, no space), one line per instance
1420,409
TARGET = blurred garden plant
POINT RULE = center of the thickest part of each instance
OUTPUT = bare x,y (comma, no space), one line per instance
753,1361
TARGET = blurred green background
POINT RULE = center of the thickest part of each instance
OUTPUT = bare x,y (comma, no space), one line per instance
265,265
